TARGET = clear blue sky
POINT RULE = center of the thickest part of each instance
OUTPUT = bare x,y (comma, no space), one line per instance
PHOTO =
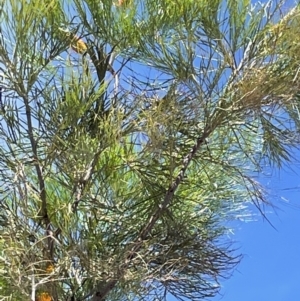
270,269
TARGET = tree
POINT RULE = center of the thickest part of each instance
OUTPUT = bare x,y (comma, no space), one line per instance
123,159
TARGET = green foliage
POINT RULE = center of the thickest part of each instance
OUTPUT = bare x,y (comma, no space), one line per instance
121,166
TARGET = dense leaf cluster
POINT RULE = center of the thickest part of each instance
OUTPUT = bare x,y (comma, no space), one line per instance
122,161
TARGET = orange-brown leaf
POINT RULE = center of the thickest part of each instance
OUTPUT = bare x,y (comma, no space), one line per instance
44,297
78,45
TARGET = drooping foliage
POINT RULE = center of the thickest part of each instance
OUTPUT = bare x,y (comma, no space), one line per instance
131,132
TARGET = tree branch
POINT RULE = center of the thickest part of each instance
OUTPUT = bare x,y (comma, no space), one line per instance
154,217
